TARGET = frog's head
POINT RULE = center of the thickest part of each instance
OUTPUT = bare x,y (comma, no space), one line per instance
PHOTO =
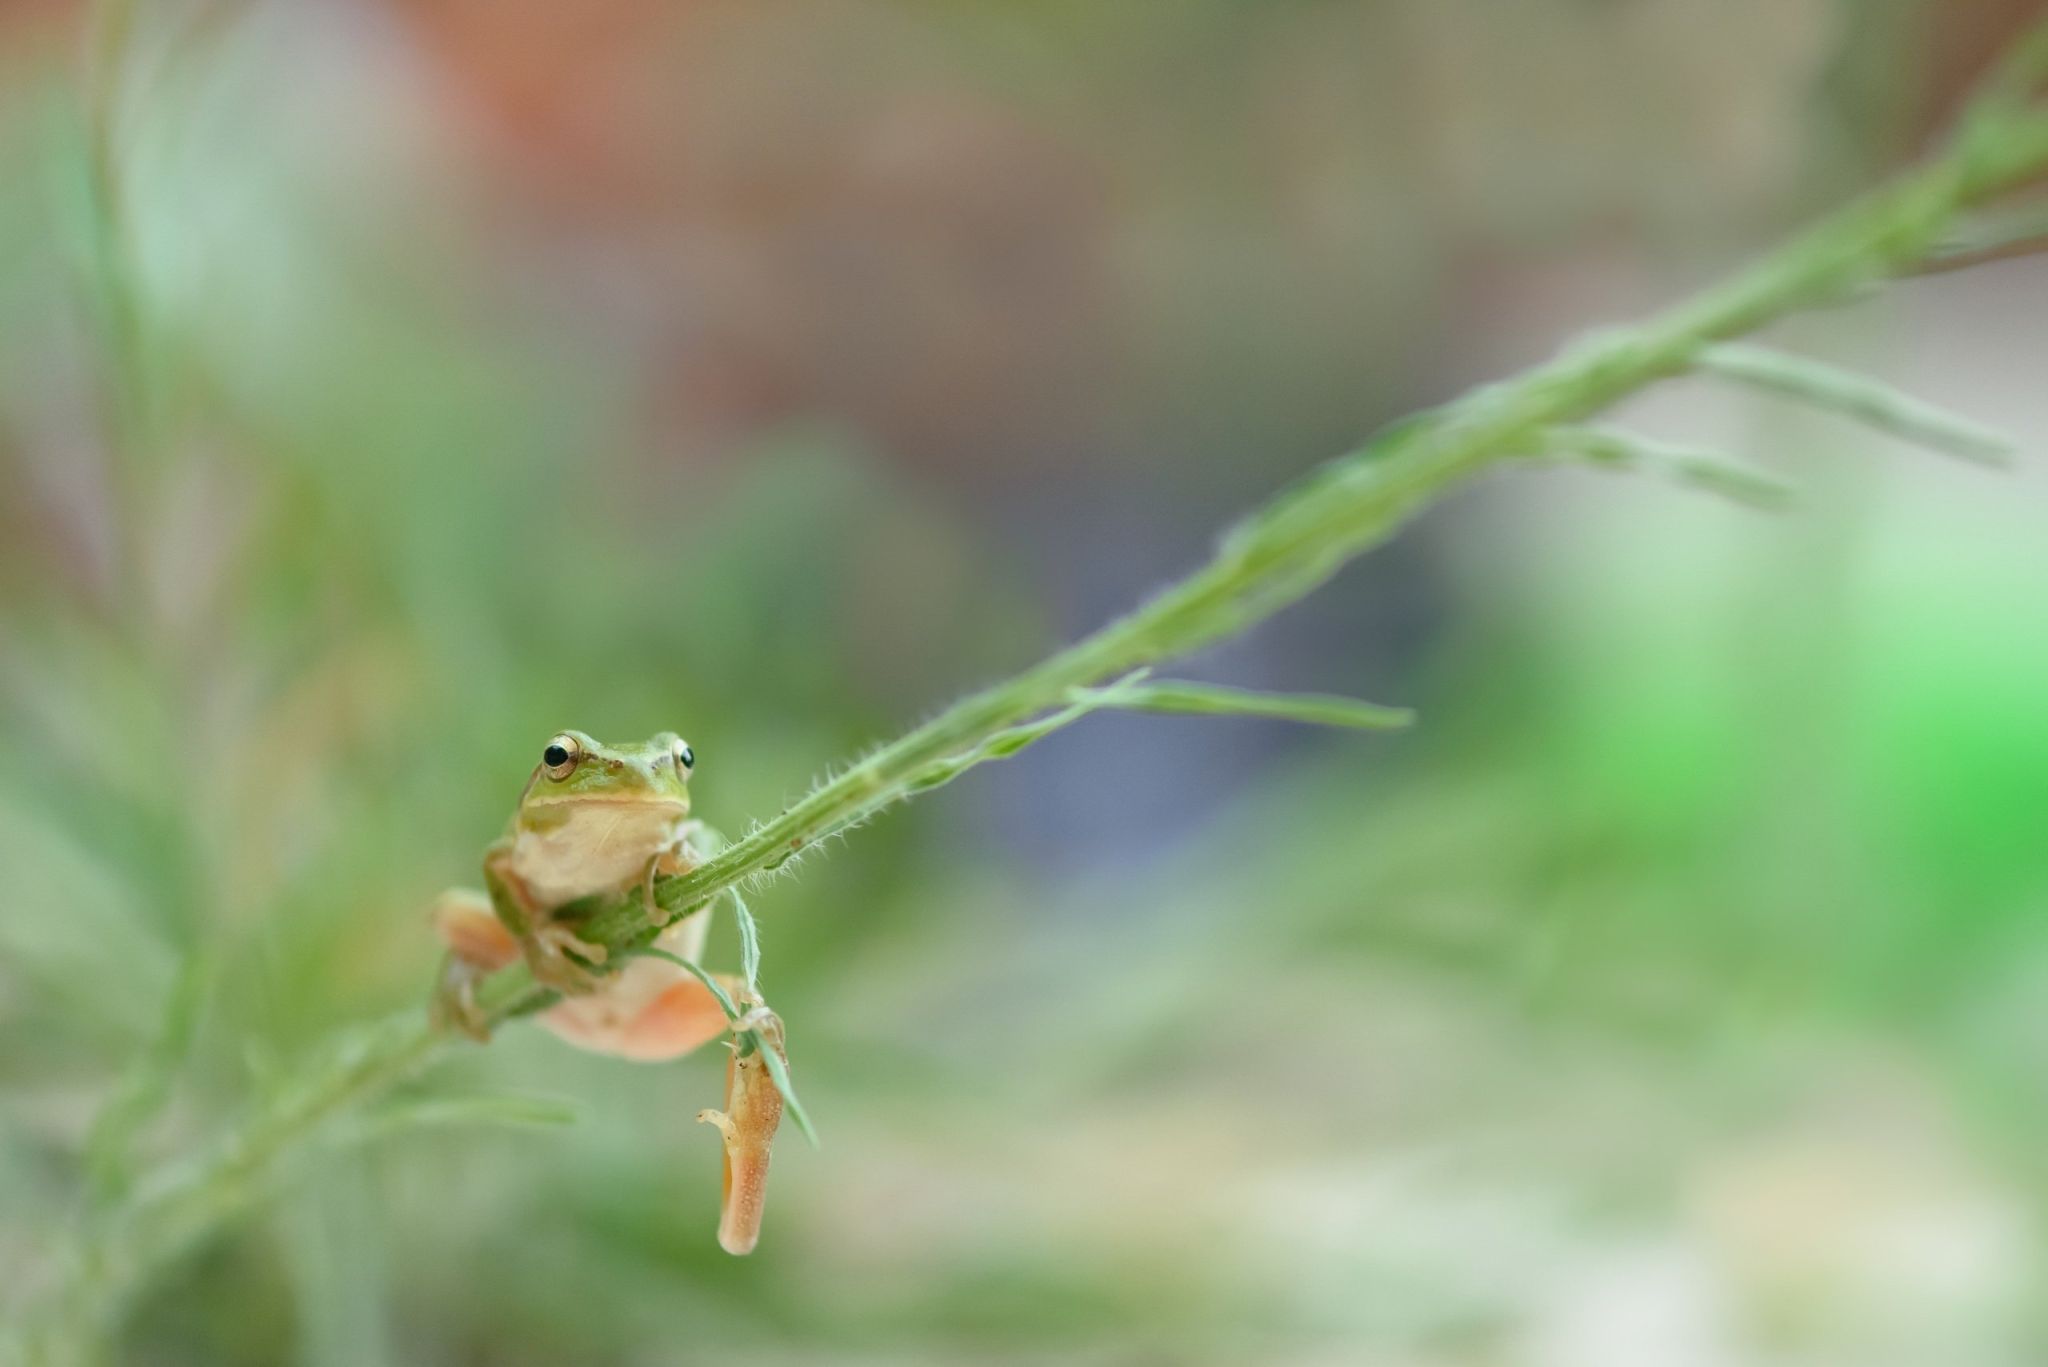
576,771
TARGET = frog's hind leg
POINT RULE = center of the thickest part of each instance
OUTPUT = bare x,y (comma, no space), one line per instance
471,930
478,946
651,1011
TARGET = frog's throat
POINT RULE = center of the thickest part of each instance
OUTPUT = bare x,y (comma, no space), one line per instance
547,814
607,800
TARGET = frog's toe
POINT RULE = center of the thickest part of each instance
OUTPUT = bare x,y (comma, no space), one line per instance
561,974
556,970
454,1008
560,940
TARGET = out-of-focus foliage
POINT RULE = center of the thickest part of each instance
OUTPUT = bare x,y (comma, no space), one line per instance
775,371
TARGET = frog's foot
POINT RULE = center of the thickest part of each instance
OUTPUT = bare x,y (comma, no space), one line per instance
650,908
753,1111
454,1005
552,954
679,858
478,945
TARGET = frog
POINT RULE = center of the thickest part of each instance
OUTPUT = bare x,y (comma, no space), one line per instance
598,820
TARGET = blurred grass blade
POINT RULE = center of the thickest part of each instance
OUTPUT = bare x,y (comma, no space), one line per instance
1214,700
1997,235
147,1083
1857,397
513,1109
516,1110
1704,470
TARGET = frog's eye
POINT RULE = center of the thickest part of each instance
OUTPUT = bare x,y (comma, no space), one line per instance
558,761
685,757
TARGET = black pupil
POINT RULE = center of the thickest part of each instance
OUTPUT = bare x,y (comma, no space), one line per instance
687,756
554,756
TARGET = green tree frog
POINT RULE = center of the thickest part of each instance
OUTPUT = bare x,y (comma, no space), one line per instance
598,819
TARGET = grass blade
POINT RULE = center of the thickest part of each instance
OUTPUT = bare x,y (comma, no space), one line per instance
1214,700
750,942
1858,398
1704,470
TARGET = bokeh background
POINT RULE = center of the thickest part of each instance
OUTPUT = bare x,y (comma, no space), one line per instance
386,385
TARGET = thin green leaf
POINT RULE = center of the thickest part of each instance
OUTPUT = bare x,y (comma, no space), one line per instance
1856,397
750,942
779,1071
1997,234
1213,700
1700,469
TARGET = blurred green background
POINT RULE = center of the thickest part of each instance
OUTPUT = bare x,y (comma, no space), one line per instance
384,386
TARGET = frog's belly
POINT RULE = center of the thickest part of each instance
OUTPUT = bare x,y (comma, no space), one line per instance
598,848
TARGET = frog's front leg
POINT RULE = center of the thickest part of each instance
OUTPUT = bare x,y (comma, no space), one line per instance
681,856
546,944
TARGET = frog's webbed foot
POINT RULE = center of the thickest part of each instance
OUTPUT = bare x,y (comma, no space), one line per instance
559,960
650,908
685,854
753,1111
478,945
454,1005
